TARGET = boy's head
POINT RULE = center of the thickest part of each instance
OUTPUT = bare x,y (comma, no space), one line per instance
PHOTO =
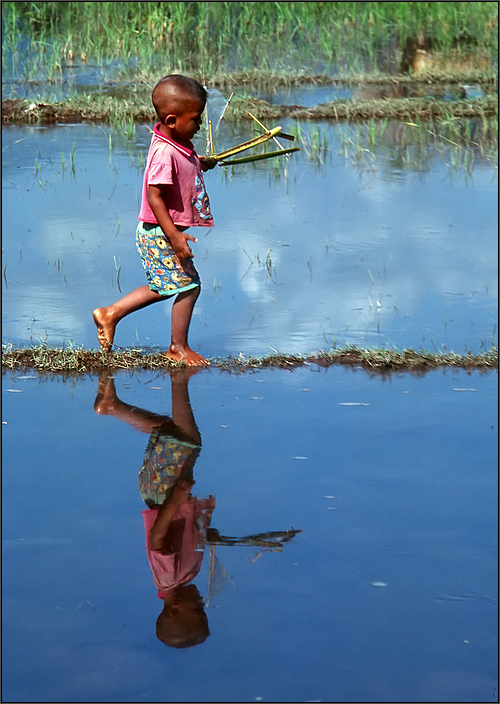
173,94
183,621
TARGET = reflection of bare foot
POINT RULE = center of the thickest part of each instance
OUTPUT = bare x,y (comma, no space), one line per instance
106,396
105,327
185,354
181,375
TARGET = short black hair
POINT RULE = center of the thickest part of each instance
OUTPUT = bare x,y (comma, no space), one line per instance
189,86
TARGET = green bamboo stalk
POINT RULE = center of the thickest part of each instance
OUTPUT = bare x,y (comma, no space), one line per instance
257,157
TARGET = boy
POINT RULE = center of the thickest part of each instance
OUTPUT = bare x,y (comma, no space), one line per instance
173,199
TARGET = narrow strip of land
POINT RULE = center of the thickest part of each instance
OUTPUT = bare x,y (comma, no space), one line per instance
110,109
80,361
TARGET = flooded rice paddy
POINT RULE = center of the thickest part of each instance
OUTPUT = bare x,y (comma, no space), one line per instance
387,247
387,592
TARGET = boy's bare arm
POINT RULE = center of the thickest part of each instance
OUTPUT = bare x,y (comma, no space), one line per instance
180,495
178,239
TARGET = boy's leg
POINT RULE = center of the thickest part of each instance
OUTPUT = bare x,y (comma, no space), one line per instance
182,311
106,319
107,403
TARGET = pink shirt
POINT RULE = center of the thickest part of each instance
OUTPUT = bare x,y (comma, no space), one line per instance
179,167
183,565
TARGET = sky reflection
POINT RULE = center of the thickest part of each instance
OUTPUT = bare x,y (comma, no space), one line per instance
325,256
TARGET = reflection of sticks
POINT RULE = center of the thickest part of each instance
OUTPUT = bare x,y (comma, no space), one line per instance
217,576
211,565
211,570
273,539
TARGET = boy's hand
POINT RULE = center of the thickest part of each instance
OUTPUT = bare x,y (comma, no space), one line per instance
179,242
157,197
207,162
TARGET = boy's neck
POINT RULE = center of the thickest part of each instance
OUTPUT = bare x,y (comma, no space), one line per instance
169,597
171,134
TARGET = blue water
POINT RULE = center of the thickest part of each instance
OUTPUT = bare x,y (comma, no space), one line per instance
389,590
388,593
390,251
310,95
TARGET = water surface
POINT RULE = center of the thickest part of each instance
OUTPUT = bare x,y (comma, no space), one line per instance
388,593
398,249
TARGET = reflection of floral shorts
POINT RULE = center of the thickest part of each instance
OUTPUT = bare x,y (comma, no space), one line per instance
164,460
165,273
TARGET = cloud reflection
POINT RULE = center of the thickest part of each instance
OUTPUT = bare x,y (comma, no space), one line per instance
330,254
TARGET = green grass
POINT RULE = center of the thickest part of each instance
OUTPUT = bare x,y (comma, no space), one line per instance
74,360
160,37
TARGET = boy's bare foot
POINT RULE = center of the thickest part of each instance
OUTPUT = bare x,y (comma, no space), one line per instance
185,354
105,328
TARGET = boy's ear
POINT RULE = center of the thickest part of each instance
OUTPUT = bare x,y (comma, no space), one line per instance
170,120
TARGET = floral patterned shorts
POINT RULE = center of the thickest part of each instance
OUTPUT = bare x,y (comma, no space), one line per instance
165,273
165,459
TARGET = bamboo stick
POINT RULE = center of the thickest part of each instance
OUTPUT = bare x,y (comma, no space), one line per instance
257,157
265,129
227,105
210,135
248,145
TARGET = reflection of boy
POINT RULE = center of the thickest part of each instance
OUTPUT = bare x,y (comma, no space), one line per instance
175,522
175,525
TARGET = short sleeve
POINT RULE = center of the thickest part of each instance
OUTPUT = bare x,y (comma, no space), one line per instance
160,171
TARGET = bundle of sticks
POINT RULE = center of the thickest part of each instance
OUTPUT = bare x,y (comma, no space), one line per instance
222,157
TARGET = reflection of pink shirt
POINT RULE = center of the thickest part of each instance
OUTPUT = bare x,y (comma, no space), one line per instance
188,527
172,164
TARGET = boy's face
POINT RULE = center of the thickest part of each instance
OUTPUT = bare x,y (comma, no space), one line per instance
186,123
184,622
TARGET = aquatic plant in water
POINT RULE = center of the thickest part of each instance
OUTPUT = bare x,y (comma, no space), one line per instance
148,37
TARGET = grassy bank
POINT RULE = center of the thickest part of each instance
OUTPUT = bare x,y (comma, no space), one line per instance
79,361
465,129
115,110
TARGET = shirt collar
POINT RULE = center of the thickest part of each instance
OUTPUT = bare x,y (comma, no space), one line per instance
187,151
